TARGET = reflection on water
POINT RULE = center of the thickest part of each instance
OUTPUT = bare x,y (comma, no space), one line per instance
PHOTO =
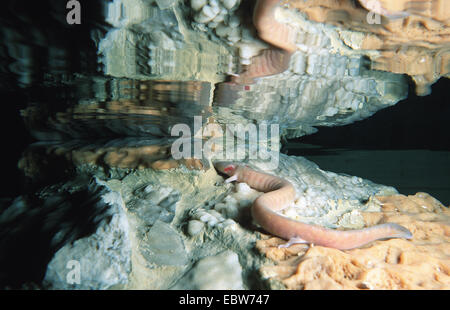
60,70
53,160
83,116
118,107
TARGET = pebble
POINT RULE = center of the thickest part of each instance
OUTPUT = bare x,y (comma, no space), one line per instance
222,30
197,4
229,4
195,227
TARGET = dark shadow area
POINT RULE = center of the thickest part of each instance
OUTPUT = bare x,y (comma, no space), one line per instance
38,47
34,228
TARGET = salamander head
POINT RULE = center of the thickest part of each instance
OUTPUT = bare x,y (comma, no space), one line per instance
226,167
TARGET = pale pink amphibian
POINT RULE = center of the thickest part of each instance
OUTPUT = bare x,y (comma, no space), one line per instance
279,193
